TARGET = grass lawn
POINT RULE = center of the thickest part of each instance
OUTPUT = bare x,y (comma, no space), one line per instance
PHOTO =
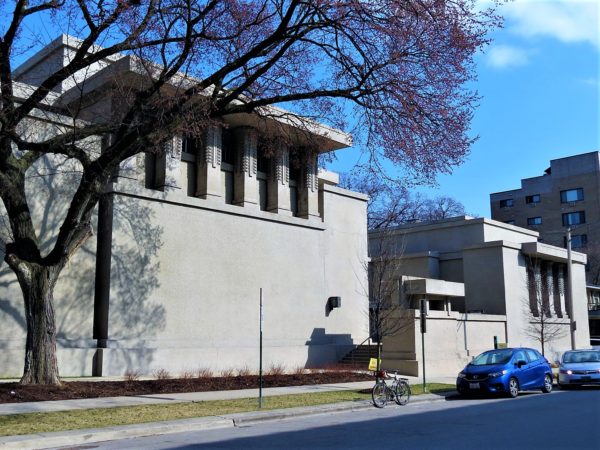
127,415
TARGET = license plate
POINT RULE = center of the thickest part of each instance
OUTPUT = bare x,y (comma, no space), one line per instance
473,385
586,378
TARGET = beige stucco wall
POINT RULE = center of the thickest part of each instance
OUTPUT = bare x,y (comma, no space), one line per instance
451,340
185,285
202,309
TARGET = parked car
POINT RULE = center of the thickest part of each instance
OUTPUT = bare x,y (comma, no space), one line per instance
506,371
579,367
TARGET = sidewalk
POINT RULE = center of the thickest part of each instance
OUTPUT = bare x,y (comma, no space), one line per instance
79,437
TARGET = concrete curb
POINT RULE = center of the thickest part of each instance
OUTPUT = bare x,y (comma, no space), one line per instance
87,436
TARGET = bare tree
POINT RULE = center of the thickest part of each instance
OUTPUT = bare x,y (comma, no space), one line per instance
399,69
542,326
442,207
392,205
389,310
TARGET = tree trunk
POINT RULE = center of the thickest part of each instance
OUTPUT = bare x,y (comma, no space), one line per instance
41,366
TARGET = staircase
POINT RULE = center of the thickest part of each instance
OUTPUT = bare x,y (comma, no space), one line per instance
359,356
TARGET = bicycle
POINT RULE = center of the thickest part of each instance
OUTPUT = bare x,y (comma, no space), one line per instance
398,391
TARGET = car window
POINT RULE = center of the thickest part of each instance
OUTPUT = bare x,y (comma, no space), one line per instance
533,355
520,356
581,357
492,357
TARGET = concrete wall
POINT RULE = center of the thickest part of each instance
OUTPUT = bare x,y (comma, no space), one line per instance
185,286
195,298
451,341
484,280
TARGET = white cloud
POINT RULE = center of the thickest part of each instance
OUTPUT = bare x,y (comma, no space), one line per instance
505,56
566,20
591,81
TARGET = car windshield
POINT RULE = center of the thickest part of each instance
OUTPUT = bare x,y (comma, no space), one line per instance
581,357
493,357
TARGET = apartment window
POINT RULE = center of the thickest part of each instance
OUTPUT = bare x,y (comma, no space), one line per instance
532,199
574,218
534,220
571,195
507,203
577,240
509,222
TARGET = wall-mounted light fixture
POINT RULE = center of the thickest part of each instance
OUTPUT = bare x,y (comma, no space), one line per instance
333,302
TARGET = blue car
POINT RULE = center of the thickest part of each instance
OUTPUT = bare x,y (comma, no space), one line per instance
506,371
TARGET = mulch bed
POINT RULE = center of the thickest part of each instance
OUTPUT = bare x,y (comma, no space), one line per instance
14,392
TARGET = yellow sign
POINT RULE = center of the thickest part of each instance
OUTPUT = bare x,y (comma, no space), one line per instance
373,364
502,344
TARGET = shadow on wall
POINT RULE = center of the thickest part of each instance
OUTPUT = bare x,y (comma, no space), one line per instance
134,276
327,349
50,186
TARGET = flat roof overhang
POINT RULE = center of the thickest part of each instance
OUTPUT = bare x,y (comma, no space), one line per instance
551,253
271,120
430,286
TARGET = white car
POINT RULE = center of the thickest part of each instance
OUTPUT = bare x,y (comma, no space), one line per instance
579,367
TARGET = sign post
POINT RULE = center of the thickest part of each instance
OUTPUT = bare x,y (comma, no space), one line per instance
260,353
423,317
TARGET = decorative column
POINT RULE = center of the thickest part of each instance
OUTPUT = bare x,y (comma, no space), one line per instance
555,291
279,183
245,182
208,164
168,165
547,289
308,190
537,289
562,289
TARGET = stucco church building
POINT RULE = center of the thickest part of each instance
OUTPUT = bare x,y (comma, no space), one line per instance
186,240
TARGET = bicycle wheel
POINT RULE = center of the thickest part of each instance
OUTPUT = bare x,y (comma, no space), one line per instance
402,392
379,394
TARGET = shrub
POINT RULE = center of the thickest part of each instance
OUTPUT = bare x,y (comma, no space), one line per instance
226,373
131,375
204,372
276,369
161,374
187,374
244,372
299,370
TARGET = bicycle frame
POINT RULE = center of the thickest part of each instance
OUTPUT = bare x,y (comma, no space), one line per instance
398,391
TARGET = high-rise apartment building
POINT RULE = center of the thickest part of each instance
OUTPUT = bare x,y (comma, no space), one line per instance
566,196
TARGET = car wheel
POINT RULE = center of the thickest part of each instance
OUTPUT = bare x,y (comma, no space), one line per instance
513,387
547,388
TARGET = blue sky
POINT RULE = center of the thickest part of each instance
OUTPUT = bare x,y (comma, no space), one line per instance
540,83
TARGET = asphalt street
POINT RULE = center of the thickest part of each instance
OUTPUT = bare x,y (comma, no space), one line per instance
562,419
